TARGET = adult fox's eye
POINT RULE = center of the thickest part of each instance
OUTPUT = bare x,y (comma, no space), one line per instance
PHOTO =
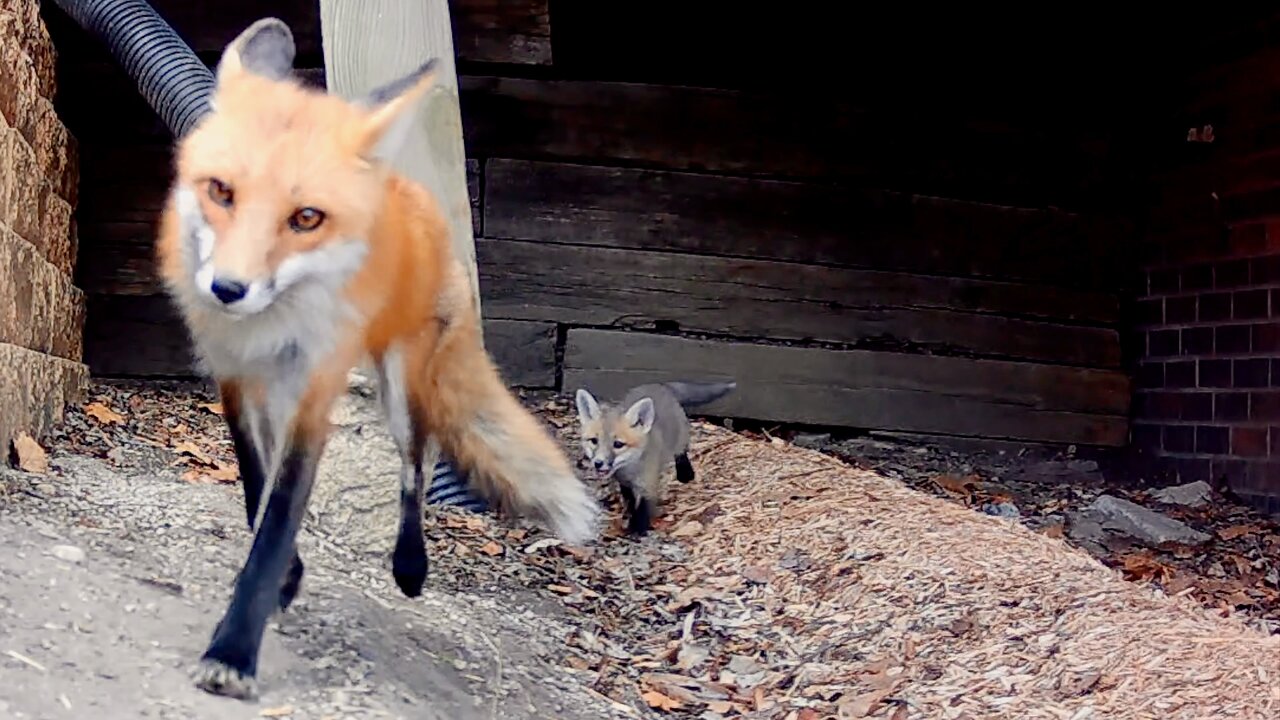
220,192
306,219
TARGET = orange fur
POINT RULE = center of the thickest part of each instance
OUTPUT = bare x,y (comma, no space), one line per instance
281,146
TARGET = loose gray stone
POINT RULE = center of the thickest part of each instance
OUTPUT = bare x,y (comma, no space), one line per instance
1140,523
68,553
1192,494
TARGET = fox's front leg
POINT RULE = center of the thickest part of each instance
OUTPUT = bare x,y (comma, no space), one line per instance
246,422
230,663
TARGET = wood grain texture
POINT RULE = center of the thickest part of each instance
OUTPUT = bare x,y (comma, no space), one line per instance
373,42
136,336
525,352
143,336
788,136
759,299
882,391
803,222
502,31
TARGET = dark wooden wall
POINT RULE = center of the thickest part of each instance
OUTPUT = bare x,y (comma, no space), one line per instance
905,219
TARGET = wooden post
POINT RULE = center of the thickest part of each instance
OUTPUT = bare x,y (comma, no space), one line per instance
370,42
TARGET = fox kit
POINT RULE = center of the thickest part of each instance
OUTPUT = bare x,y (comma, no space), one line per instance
638,439
293,252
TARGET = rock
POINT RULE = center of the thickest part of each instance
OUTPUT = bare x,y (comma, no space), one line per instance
813,441
1004,510
1140,523
1083,528
1192,494
68,553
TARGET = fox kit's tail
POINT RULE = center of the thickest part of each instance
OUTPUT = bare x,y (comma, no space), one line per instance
694,394
509,457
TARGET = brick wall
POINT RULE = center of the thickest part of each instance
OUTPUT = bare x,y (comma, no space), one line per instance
1208,404
41,311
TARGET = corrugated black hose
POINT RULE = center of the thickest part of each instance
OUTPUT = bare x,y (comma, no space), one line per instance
168,73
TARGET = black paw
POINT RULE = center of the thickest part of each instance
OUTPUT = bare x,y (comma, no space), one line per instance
292,583
219,678
409,568
640,521
684,468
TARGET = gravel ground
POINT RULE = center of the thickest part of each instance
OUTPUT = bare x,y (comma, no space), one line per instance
111,583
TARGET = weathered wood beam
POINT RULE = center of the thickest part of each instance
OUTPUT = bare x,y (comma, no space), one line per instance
372,42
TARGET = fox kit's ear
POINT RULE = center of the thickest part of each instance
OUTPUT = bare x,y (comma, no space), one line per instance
265,48
392,108
588,408
640,415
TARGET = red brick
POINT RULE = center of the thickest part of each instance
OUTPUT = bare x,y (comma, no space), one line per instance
1179,438
1252,373
1231,406
1197,341
1215,373
1180,374
1197,277
1232,339
1215,307
1266,337
1213,440
1231,274
1250,304
1249,441
1264,406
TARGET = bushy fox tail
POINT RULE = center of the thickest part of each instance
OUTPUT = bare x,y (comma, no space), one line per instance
510,459
694,394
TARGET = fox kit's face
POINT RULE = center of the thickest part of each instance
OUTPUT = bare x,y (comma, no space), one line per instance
613,437
279,185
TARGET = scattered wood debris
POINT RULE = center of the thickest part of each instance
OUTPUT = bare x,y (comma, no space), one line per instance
786,584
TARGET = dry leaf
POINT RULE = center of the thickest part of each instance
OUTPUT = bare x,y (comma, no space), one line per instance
1235,531
863,705
689,529
282,711
723,707
957,484
660,701
28,455
491,549
758,574
808,714
1144,566
103,414
223,473
213,407
186,447
899,713
560,589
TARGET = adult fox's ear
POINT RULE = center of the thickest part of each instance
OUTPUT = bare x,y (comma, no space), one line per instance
265,48
392,108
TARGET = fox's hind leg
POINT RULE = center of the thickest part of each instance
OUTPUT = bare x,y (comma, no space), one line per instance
246,424
409,561
684,468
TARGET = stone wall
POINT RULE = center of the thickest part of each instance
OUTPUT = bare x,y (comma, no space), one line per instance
41,310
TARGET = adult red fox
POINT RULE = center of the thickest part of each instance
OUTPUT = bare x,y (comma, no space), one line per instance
293,251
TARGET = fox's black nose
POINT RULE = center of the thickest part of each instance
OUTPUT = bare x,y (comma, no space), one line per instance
229,291
599,464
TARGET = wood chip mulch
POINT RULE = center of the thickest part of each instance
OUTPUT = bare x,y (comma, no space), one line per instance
786,584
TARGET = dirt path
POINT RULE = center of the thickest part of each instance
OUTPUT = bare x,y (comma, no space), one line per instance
110,586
